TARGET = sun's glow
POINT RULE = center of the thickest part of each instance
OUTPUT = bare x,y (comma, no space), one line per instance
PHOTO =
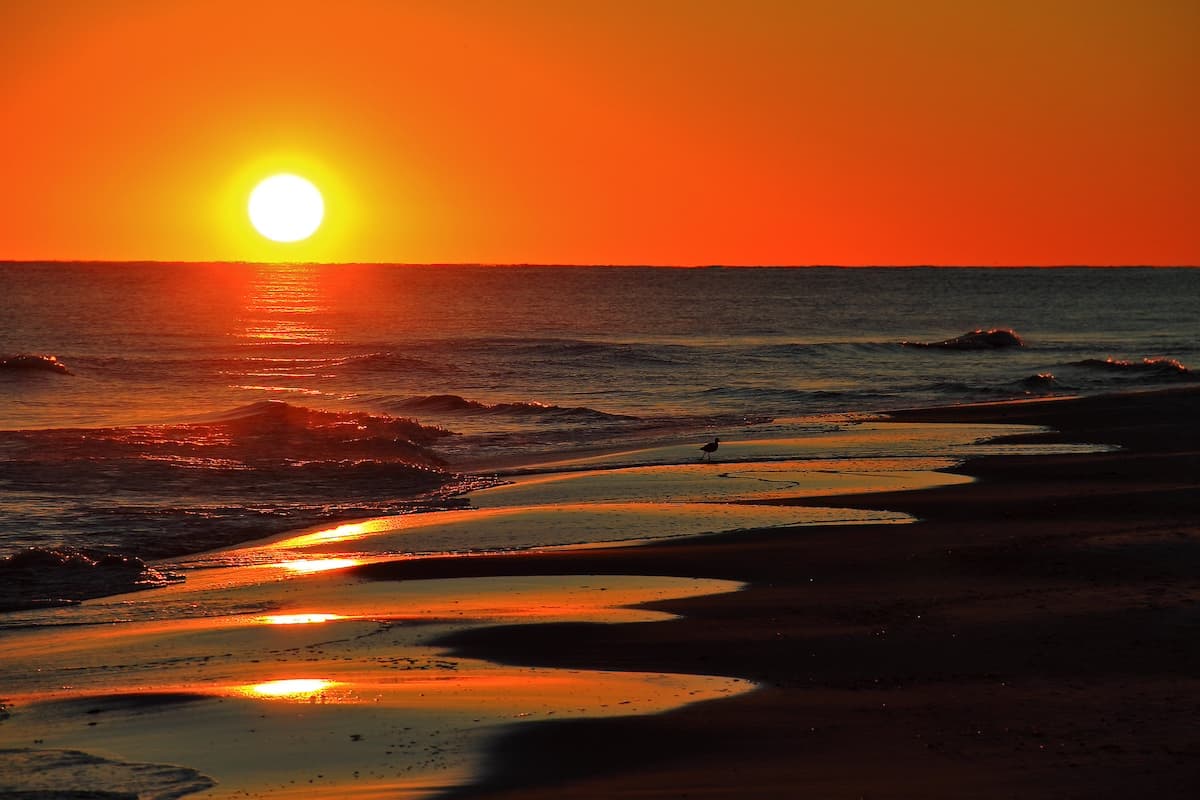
342,533
305,566
296,688
298,619
286,208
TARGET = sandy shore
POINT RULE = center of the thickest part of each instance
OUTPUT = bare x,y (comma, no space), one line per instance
1036,635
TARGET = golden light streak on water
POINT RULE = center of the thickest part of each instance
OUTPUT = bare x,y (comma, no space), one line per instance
307,566
291,688
298,619
341,533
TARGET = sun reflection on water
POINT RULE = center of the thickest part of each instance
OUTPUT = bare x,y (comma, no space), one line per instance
285,307
342,533
292,689
306,566
298,619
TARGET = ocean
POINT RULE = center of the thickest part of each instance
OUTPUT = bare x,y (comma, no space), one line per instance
155,410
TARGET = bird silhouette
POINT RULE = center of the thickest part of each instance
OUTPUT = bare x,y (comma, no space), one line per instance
710,448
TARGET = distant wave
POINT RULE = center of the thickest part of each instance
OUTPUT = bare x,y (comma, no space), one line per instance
386,360
1155,367
978,339
1040,383
951,387
31,362
572,349
37,577
773,395
449,404
834,349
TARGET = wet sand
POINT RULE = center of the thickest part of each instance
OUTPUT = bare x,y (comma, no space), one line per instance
319,685
1037,634
276,670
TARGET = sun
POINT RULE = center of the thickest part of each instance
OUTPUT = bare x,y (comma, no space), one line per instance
286,208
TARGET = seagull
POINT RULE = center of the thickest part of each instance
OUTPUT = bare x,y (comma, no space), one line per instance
711,447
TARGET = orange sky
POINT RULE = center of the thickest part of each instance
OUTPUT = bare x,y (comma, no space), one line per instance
615,131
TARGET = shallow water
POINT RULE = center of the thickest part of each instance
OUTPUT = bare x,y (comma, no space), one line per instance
321,681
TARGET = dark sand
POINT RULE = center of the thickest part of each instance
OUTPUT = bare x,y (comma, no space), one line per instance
1037,635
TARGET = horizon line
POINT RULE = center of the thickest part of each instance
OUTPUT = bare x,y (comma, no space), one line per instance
551,265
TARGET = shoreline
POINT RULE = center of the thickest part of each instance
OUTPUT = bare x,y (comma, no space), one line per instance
906,647
1033,633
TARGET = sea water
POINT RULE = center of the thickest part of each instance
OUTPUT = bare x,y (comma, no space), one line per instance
160,409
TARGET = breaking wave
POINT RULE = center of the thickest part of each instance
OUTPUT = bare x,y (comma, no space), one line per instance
1155,367
34,363
978,339
37,577
1041,382
155,491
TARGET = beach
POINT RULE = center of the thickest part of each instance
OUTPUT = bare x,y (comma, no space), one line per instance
1033,635
1029,631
